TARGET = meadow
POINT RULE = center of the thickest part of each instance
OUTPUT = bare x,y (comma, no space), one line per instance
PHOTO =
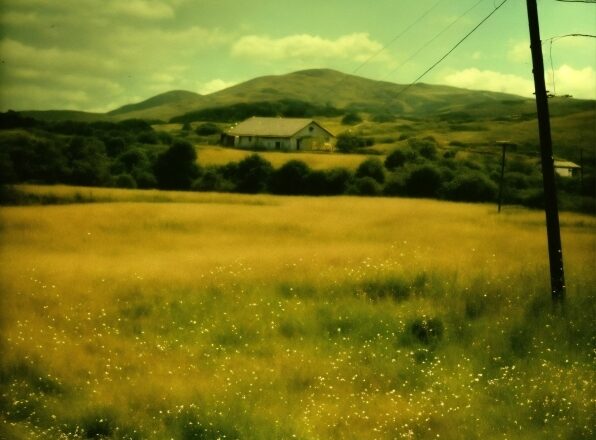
156,315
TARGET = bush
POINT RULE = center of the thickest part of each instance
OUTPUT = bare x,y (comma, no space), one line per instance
423,181
291,178
347,142
473,187
176,168
426,147
351,119
338,180
207,129
395,186
364,186
125,181
395,159
371,168
253,174
212,180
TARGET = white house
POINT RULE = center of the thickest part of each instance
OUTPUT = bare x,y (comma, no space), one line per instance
279,134
564,168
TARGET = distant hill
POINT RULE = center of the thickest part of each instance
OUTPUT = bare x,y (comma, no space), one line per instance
174,102
65,115
324,88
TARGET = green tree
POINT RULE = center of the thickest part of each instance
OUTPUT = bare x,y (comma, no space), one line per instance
253,174
371,167
291,178
176,168
423,181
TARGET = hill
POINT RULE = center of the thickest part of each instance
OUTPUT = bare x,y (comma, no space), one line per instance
174,102
324,88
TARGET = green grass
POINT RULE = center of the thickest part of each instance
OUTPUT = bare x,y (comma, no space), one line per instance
258,317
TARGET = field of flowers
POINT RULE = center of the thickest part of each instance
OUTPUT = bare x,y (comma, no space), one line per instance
155,315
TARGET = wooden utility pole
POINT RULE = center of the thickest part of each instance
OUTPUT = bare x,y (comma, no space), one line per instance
555,252
501,181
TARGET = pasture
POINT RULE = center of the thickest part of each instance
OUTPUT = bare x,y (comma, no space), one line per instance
158,315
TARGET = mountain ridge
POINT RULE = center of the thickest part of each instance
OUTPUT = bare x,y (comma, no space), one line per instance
326,87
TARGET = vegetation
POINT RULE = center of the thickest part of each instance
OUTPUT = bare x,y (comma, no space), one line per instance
255,317
290,108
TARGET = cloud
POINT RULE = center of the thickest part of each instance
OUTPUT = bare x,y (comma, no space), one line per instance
215,85
151,10
490,80
519,52
356,47
581,83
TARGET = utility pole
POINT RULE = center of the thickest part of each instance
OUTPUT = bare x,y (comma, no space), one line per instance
555,252
501,182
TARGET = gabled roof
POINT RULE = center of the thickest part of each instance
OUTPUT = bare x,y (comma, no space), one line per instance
272,127
565,164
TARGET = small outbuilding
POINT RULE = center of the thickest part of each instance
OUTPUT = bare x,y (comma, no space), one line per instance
564,168
279,134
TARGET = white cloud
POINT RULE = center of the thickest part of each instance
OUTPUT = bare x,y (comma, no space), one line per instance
490,80
357,47
519,52
151,10
581,83
214,85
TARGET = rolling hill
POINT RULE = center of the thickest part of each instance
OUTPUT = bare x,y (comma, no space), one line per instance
325,87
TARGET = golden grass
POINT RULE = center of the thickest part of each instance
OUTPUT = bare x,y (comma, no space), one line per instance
213,155
244,315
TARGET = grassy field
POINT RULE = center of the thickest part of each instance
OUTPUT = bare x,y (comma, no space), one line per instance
156,315
214,155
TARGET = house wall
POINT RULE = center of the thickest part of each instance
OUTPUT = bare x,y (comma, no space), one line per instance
313,137
271,143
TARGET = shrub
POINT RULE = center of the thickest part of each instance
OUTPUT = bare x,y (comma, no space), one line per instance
290,178
395,186
423,181
473,187
176,167
347,142
338,180
207,129
364,186
371,167
253,174
395,159
212,180
351,119
125,181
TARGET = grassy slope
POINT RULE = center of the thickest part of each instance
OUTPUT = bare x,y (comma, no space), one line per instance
270,317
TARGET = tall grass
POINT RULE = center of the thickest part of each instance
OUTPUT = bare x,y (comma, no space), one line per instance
262,317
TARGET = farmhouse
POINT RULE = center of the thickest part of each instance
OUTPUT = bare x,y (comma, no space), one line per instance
564,168
279,134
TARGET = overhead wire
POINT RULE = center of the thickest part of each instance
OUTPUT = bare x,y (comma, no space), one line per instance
401,92
425,45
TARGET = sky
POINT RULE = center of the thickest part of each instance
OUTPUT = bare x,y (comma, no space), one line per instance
97,55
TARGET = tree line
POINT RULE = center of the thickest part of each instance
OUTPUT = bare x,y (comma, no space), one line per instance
130,154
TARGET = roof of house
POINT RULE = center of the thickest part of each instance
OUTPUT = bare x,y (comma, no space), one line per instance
565,164
273,127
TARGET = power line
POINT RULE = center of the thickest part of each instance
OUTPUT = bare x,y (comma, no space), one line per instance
398,36
577,1
425,45
452,49
550,53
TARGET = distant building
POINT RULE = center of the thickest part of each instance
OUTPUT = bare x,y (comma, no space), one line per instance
564,168
279,134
